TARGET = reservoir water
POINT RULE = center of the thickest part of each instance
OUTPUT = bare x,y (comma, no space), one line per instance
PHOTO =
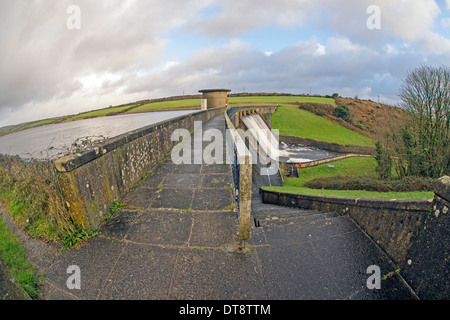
48,140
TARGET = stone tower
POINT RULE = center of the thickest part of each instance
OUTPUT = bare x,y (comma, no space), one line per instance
216,98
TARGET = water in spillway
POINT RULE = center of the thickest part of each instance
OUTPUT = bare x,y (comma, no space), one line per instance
282,152
265,137
294,153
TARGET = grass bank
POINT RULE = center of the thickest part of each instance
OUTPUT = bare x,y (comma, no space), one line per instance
294,122
355,167
13,253
31,193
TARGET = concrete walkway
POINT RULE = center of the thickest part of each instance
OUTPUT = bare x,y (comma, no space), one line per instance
176,239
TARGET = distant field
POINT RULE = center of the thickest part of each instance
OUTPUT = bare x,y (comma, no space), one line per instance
166,105
98,113
279,99
346,167
41,122
291,121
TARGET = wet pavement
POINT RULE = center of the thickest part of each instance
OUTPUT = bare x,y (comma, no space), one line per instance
176,239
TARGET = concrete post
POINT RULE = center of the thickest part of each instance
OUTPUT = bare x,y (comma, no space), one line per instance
204,104
245,182
245,197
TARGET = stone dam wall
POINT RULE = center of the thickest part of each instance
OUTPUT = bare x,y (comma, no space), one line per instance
413,233
427,262
93,180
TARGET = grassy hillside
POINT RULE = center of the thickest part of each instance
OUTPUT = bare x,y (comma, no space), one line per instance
292,121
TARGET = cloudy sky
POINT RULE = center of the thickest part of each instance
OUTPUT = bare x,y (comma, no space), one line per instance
63,57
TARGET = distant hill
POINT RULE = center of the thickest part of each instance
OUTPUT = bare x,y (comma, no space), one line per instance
366,117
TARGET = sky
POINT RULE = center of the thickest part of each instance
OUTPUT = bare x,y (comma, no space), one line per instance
62,57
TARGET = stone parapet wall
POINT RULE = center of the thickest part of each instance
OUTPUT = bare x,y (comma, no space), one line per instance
93,180
427,268
414,233
392,224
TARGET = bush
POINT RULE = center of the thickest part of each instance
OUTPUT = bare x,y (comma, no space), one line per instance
406,184
319,109
343,112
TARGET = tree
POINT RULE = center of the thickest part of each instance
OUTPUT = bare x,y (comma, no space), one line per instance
425,140
384,161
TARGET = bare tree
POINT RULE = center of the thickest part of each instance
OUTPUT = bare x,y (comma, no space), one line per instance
425,93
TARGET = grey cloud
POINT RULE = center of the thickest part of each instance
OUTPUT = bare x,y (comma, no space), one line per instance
42,63
42,60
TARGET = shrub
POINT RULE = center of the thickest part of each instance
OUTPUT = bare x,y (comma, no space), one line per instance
319,109
406,184
343,112
384,161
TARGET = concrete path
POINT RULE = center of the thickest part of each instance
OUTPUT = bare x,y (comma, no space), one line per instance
176,239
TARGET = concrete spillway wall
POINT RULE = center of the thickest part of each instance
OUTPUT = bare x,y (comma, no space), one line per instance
93,180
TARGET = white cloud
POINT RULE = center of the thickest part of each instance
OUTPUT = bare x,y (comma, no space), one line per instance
169,65
320,51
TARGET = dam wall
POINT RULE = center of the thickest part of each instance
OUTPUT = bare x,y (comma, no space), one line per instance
93,181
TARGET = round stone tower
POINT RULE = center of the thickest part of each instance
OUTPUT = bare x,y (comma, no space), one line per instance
216,98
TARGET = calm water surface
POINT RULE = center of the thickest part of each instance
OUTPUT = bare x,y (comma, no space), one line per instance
35,142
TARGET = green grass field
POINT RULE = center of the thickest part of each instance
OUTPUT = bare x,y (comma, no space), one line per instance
98,113
349,167
167,105
278,99
294,122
